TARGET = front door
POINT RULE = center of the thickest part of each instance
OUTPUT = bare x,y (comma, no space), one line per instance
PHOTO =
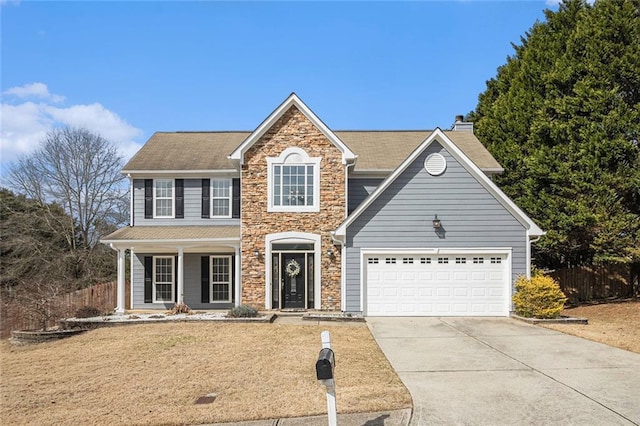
293,280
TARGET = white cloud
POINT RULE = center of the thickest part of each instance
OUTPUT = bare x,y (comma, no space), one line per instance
34,90
24,123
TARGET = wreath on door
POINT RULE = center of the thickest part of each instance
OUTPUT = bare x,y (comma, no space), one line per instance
292,268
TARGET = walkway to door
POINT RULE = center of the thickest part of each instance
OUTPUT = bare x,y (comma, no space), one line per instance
489,371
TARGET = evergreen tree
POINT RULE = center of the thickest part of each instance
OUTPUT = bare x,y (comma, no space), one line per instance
563,118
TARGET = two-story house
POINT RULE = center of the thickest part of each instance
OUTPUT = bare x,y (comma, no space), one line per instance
294,215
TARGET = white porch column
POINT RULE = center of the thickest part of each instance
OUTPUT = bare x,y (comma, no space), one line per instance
238,288
121,279
180,277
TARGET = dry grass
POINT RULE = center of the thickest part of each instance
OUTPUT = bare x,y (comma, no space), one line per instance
615,324
152,374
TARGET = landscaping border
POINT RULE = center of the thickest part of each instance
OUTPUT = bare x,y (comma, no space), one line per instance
560,320
132,319
21,336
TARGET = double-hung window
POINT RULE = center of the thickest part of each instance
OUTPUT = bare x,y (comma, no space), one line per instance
220,278
163,198
163,278
294,182
221,192
292,185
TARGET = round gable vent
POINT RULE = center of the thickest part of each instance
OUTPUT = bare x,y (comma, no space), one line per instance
435,164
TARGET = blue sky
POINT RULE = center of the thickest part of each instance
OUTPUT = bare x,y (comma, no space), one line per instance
128,69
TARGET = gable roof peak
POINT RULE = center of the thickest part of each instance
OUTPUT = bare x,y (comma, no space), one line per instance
237,155
440,137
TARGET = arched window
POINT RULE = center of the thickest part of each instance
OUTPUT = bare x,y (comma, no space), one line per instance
293,182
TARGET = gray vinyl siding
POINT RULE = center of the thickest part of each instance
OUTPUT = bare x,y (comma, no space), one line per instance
192,207
192,283
359,189
401,217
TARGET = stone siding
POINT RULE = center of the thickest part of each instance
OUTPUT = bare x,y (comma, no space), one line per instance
293,129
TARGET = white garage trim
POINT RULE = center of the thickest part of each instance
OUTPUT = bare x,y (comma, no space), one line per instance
504,252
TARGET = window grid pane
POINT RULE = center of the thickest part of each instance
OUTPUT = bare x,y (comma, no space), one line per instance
220,278
293,185
164,279
220,197
164,197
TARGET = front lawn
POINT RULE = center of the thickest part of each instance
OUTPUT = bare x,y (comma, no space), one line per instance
153,373
615,324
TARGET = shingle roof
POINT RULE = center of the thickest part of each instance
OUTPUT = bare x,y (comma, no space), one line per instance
381,150
187,151
385,150
169,233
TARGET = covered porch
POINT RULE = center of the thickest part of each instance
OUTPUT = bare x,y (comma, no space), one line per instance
195,265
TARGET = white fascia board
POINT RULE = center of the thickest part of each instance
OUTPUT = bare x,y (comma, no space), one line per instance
370,174
176,242
490,171
179,173
238,154
483,179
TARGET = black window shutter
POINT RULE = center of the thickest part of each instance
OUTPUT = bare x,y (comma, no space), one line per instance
236,198
179,186
148,279
175,280
205,199
148,198
204,276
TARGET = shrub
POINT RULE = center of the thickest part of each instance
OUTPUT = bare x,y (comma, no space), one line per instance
88,312
538,297
242,311
180,308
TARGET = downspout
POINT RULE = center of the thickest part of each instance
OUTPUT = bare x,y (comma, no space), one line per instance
346,188
130,199
529,242
343,250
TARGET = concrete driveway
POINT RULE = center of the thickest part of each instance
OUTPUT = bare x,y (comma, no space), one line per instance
499,371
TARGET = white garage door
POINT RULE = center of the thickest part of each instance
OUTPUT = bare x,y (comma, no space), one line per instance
437,285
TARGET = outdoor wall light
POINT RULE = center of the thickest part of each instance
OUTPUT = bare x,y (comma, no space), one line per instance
256,253
330,253
436,223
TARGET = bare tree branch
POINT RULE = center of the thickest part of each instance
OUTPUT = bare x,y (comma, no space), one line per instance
79,170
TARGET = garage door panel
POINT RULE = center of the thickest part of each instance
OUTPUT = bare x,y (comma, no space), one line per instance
426,291
443,291
411,291
496,292
460,308
415,285
389,276
478,276
460,291
390,291
478,292
443,308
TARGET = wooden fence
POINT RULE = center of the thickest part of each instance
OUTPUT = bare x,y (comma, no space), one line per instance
101,296
592,283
